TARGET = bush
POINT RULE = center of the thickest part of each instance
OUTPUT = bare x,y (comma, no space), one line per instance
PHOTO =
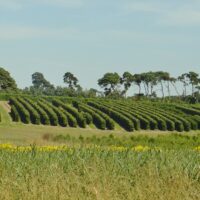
23,113
79,116
97,119
52,115
43,115
14,114
62,119
34,116
125,122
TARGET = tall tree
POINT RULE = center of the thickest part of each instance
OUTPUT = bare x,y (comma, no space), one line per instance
6,81
137,79
109,82
193,80
126,80
184,80
162,77
70,80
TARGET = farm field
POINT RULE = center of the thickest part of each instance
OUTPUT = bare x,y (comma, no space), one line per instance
103,114
52,161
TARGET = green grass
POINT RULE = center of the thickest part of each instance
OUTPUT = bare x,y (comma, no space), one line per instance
6,119
91,174
88,173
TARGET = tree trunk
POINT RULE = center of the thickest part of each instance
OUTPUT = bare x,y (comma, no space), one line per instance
173,84
162,89
168,87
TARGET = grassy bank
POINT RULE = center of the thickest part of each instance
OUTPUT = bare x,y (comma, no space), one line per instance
100,174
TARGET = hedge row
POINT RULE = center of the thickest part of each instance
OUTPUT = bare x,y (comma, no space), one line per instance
125,122
187,110
79,116
70,118
43,115
88,118
98,121
23,113
110,124
181,124
171,121
34,116
52,115
62,118
163,123
135,121
145,121
14,114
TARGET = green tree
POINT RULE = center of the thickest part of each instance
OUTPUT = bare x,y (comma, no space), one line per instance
126,80
184,80
70,80
162,77
137,79
41,85
193,78
109,82
6,81
39,81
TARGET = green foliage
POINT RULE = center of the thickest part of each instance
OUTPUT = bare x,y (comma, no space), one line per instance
43,115
125,122
6,81
23,113
14,114
97,119
109,82
79,116
34,116
50,112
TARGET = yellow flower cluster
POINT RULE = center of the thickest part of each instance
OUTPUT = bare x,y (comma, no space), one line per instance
197,148
117,148
141,148
10,147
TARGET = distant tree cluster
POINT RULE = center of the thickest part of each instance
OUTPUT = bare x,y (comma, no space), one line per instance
150,84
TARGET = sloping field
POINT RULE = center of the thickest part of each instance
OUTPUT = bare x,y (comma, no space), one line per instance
104,114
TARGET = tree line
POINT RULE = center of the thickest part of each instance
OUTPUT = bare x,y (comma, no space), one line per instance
150,84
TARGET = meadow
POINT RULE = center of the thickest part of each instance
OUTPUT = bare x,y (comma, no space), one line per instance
55,162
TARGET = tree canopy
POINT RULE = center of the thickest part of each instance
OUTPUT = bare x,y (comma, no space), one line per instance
6,81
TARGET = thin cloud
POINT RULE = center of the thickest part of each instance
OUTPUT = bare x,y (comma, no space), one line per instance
28,32
184,13
20,4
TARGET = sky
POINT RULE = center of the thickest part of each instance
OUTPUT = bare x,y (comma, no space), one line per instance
92,37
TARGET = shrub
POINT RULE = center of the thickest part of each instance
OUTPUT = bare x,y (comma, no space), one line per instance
14,114
43,115
79,116
125,122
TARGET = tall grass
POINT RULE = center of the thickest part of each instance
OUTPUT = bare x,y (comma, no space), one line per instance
89,173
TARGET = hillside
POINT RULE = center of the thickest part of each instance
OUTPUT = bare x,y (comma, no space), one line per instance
102,114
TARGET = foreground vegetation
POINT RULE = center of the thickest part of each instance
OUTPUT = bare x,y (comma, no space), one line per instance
93,173
45,162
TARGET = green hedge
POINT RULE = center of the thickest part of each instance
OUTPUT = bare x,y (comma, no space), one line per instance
14,114
34,116
43,115
23,113
52,115
125,122
79,116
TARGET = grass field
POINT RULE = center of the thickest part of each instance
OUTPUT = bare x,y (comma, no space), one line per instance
144,165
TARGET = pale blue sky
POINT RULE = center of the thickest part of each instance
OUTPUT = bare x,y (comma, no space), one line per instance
92,37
